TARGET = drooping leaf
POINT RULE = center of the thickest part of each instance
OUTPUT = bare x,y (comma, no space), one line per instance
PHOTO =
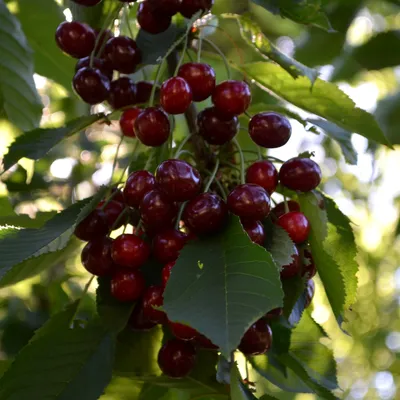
19,99
24,221
238,390
295,299
221,285
389,118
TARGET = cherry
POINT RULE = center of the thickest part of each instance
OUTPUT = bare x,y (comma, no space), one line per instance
200,78
257,339
255,230
310,292
279,210
143,92
153,297
138,184
127,121
98,63
96,256
91,85
270,130
87,3
93,226
130,251
205,214
166,272
182,331
113,210
296,225
123,54
178,180
127,285
264,174
168,244
205,343
232,97
309,268
190,7
176,358
152,127
292,269
137,320
117,195
249,201
275,313
168,7
175,95
122,93
151,21
217,128
300,174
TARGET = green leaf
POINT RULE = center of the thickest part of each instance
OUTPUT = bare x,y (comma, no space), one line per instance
323,98
295,299
37,143
220,285
4,365
238,390
267,397
19,99
388,116
24,221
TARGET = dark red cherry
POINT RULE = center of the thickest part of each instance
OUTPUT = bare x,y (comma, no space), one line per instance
91,85
279,210
167,7
117,195
93,226
309,268
168,244
232,97
138,184
127,121
96,257
153,297
113,210
257,339
98,63
270,130
166,272
175,95
123,54
152,127
205,214
302,174
151,21
143,92
255,230
292,269
177,358
217,128
190,7
127,285
309,291
178,180
183,332
205,343
138,321
200,78
296,225
275,313
122,93
87,3
129,250
264,174
75,38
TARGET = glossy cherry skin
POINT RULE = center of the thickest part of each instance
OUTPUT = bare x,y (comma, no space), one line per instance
123,54
200,78
127,121
152,127
205,214
310,292
151,21
179,180
255,230
232,97
127,285
122,93
96,257
93,226
182,331
175,95
91,85
292,269
98,63
87,3
168,244
296,225
217,128
153,297
257,339
166,272
270,130
168,7
75,38
138,321
264,174
129,250
302,174
190,7
309,267
113,210
176,358
279,209
143,92
138,184
275,313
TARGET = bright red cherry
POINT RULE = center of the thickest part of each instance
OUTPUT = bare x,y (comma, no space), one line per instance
200,78
182,331
255,230
205,214
279,210
205,343
264,174
152,127
257,339
190,7
122,93
217,128
98,63
127,285
127,121
296,225
96,257
138,184
177,358
309,267
87,3
91,85
131,251
302,174
270,130
75,38
292,269
168,7
153,297
275,313
175,95
143,92
113,210
137,320
93,226
123,54
232,97
168,244
151,21
166,272
310,292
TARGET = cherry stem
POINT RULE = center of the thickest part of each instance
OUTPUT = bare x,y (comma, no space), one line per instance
116,157
108,200
286,205
85,290
274,159
185,45
120,216
199,48
184,141
149,160
179,216
242,162
220,186
221,54
134,151
260,157
248,115
231,165
213,175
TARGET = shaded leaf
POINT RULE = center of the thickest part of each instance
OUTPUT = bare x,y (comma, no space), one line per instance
295,299
388,116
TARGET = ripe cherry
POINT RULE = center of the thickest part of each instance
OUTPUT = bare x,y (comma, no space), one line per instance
190,7
98,63
182,331
96,257
179,180
128,250
143,92
292,269
122,53
270,130
152,127
309,292
151,21
177,358
127,121
217,128
87,3
275,313
75,38
296,225
175,95
138,184
122,93
309,268
279,210
153,297
137,320
166,272
168,244
91,85
113,210
264,174
205,214
232,97
93,226
127,285
200,78
257,339
168,7
255,230
117,195
302,174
